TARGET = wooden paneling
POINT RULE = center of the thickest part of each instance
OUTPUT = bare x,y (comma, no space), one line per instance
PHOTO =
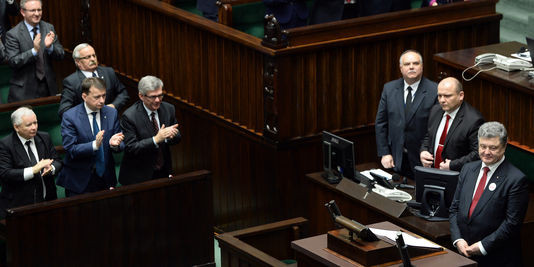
507,97
165,222
329,78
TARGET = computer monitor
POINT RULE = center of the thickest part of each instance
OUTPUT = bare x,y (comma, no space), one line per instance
338,158
530,45
434,189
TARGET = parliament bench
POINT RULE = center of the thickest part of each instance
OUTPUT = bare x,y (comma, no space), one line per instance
264,245
163,222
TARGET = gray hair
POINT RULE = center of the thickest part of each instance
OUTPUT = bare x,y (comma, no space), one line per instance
16,116
76,51
23,2
149,83
493,129
410,51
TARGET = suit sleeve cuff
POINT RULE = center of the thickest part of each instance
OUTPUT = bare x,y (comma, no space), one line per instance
28,173
154,140
456,241
482,249
95,148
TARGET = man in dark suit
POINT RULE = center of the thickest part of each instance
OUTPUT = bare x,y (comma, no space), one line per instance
85,59
30,47
289,14
451,139
402,116
28,163
7,7
149,128
490,203
90,132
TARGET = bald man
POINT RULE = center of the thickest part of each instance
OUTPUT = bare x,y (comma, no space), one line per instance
451,139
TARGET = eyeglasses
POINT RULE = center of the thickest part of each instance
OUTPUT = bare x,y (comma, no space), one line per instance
88,57
153,97
38,10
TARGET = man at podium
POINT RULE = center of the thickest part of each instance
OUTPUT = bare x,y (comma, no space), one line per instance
490,203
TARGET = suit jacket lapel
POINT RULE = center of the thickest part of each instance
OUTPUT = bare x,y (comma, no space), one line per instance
40,146
419,96
469,188
85,125
434,128
497,178
81,77
457,120
144,117
25,34
399,96
20,150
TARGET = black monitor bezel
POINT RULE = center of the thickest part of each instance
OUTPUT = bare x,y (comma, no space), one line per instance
343,145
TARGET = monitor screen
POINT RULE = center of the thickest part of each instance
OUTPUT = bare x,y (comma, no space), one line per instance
338,158
434,189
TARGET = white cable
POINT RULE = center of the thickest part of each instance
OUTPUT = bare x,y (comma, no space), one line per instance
481,70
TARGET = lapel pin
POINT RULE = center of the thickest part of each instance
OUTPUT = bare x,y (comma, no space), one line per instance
492,186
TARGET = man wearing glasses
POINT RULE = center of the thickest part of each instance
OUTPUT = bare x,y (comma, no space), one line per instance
30,47
149,128
87,63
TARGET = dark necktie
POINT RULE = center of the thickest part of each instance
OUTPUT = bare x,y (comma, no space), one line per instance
38,197
479,191
437,157
155,127
408,102
39,63
99,163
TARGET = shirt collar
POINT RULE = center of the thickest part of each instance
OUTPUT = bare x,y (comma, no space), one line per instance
453,113
30,27
89,74
148,111
493,166
88,110
24,140
414,85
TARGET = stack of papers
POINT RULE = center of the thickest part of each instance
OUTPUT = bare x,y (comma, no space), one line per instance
408,239
376,171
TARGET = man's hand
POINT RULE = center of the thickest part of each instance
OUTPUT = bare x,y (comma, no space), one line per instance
445,164
387,162
474,250
37,42
166,132
43,164
111,106
116,139
49,39
99,138
462,247
426,159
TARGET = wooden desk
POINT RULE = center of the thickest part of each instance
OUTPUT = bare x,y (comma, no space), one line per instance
318,192
312,252
501,96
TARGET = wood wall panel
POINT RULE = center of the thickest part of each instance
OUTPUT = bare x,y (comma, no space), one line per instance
215,76
164,222
513,108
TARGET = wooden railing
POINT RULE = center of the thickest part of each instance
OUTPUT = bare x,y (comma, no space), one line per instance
164,222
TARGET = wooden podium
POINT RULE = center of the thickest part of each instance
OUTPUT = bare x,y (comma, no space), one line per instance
369,253
315,251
